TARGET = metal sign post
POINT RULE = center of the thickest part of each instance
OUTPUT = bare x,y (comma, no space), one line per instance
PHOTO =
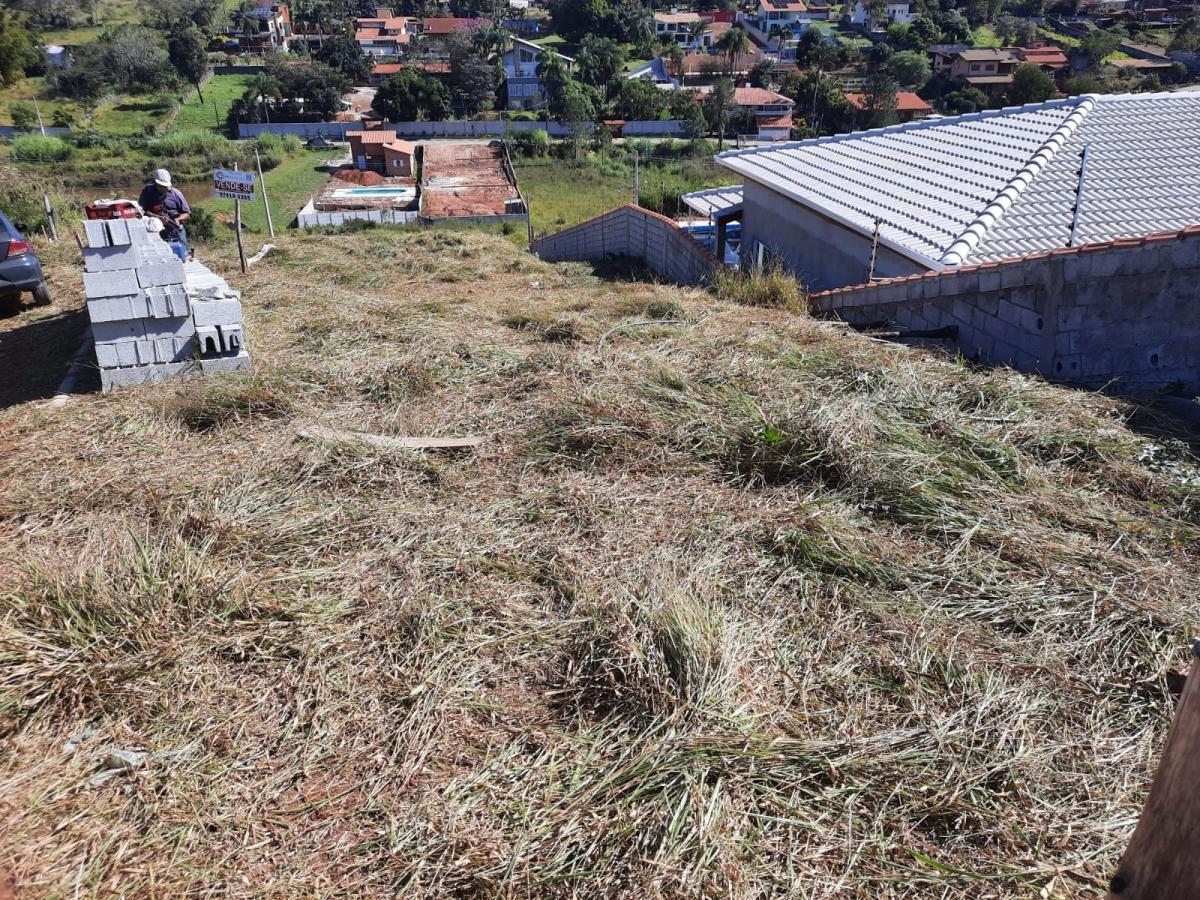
236,186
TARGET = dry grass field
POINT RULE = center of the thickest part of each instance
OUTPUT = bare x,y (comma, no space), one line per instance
729,603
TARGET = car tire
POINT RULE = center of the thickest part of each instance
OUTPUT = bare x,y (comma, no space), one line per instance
41,295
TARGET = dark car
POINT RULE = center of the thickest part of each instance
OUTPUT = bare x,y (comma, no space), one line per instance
20,269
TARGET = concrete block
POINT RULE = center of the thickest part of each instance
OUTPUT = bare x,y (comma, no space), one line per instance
173,328
107,354
121,283
1031,322
118,232
114,378
111,309
127,353
97,234
164,273
1012,275
222,364
109,259
129,329
208,340
989,280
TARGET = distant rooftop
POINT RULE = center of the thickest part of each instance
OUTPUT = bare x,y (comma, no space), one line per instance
1001,183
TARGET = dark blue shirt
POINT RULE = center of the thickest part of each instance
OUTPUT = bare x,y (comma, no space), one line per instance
170,205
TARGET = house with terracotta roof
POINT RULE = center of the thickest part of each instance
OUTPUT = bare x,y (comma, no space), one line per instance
772,111
909,107
384,34
379,150
434,32
1048,57
948,192
987,68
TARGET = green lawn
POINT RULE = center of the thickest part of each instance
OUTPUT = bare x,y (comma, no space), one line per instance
132,114
562,192
983,36
289,186
219,91
28,89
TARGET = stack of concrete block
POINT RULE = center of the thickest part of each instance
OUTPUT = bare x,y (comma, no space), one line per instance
153,317
217,315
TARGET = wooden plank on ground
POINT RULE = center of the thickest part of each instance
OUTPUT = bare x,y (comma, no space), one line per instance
387,441
1163,858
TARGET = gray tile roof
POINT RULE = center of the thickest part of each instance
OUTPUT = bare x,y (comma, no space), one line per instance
714,200
1002,182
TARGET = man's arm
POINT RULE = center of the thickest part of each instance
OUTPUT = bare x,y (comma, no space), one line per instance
185,211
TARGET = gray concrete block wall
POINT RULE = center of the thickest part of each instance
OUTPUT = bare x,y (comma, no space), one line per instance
143,303
631,231
1124,314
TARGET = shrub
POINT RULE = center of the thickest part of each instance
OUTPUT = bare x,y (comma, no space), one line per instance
534,143
23,114
201,226
772,287
65,117
90,139
21,197
194,142
36,148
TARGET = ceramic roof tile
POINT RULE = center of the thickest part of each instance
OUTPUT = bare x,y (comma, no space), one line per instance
1001,183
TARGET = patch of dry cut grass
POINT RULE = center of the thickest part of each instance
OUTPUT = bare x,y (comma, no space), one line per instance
729,603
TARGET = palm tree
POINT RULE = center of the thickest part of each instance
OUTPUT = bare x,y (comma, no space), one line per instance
696,31
734,43
262,89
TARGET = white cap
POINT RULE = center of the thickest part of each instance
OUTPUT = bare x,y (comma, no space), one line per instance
163,177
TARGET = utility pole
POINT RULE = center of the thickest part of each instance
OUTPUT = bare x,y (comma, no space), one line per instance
262,183
637,187
41,124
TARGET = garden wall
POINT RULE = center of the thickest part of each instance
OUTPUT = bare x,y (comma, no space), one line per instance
631,231
454,129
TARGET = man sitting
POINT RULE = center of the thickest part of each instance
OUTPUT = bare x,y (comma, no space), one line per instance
169,206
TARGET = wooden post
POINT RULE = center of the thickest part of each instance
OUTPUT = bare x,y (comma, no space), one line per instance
262,183
50,217
1163,858
41,124
237,227
216,116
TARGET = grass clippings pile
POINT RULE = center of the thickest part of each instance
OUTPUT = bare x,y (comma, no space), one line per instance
729,603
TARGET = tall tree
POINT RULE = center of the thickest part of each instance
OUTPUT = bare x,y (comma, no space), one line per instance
575,18
472,77
554,75
1030,85
599,61
412,96
879,99
189,57
733,43
718,106
342,52
18,47
638,100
